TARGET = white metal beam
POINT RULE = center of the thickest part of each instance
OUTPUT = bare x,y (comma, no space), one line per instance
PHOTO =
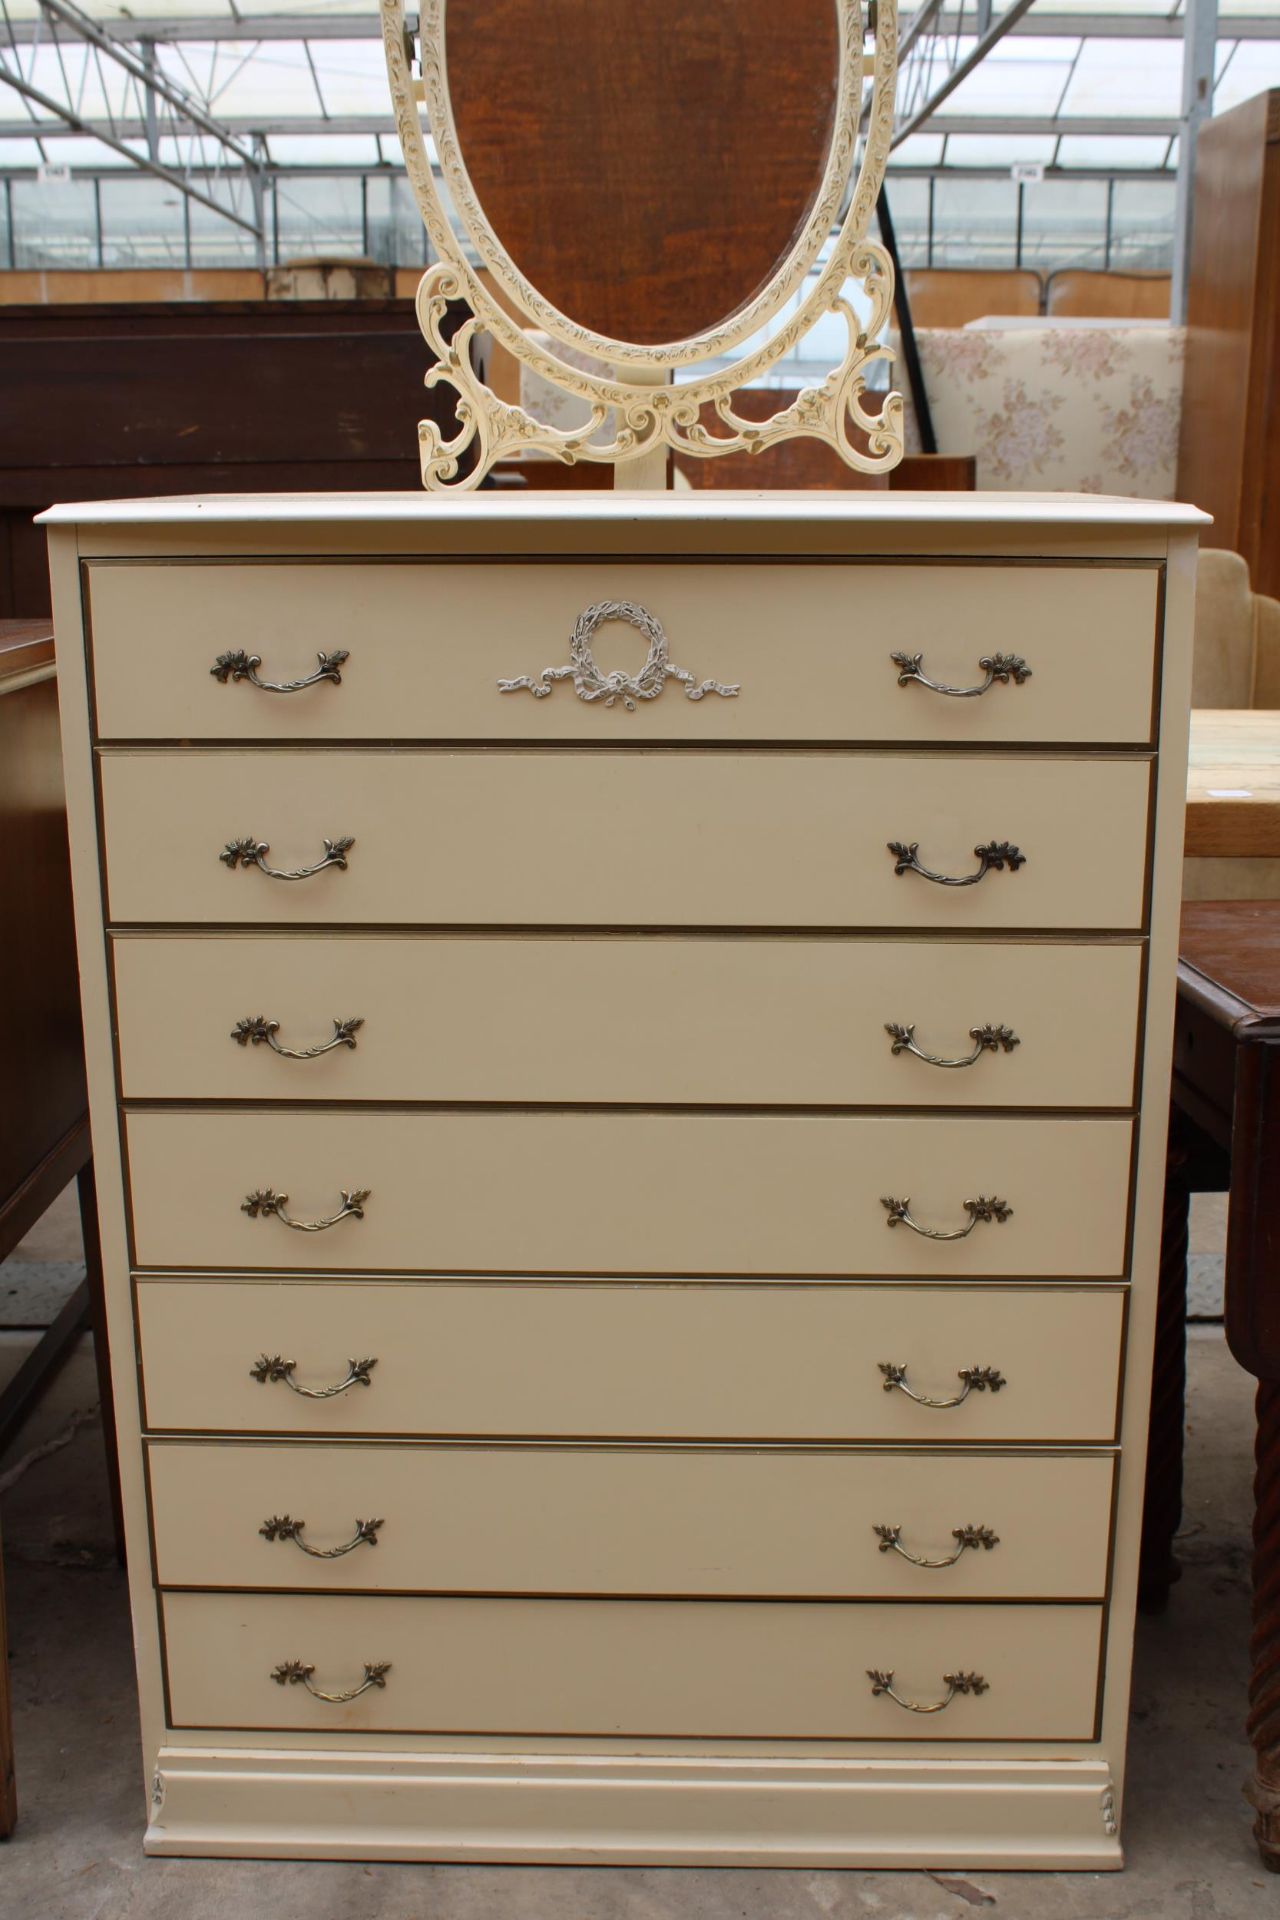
1199,46
365,26
71,123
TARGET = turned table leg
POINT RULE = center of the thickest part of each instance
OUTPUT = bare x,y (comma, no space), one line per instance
1264,1647
1162,1500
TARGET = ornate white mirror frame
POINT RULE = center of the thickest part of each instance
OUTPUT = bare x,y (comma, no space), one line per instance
632,386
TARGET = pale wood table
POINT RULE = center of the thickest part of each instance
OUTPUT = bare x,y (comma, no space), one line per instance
1233,783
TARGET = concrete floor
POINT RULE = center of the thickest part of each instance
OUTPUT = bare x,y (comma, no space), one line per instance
77,1856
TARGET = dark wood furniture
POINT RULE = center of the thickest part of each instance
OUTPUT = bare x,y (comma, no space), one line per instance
1229,456
1226,1136
113,402
44,1121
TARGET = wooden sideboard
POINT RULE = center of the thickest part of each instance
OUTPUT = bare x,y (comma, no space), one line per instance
102,402
1229,454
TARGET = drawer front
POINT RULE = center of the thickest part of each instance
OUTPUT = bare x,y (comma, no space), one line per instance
718,1362
682,1193
810,647
735,1021
689,1669
565,1520
661,839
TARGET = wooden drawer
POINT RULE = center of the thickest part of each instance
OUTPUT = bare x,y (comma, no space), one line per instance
741,1021
645,1193
810,647
573,1520
617,839
714,1669
710,1362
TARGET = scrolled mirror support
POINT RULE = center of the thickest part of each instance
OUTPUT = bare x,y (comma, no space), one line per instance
648,417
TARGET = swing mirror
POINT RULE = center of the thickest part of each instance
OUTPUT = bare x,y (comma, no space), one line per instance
647,203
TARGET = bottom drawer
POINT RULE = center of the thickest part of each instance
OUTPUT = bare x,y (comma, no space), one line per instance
673,1669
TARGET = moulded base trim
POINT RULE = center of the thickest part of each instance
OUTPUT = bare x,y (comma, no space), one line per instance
634,1810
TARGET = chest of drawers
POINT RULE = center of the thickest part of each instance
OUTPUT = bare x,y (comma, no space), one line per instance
630,1192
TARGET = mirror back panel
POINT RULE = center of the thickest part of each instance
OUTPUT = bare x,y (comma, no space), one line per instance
649,185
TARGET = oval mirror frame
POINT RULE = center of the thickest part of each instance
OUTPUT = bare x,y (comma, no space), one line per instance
650,415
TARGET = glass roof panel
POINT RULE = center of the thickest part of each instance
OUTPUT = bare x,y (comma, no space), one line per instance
20,152
1136,78
1119,151
353,77
998,149
323,149
1254,66
918,150
1017,77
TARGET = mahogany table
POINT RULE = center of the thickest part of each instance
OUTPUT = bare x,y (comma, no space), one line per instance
1233,783
1225,1135
44,1121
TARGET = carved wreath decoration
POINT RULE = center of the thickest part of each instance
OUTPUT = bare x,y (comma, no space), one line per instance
589,683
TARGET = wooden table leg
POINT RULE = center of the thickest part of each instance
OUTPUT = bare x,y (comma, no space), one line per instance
1162,1501
8,1784
1264,1648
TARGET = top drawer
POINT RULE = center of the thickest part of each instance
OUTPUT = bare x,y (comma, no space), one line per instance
810,646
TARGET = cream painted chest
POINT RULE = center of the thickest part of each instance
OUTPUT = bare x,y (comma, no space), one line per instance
631,1192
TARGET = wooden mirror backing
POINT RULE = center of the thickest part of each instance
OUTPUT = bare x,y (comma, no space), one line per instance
647,162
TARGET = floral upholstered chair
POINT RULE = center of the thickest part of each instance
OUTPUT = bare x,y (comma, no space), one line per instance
1067,409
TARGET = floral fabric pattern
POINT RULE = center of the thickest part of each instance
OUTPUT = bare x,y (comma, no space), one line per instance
1076,410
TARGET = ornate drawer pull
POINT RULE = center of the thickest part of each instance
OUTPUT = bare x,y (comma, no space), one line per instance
589,683
257,1028
281,1527
267,1201
993,858
292,1672
1003,667
891,1542
985,1040
252,853
244,666
976,1380
979,1209
953,1682
272,1367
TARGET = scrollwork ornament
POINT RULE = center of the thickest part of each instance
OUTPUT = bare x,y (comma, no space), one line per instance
648,417
591,684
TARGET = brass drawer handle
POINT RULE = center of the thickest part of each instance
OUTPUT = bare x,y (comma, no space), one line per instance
980,1209
281,1527
266,1202
589,683
244,666
291,1673
271,1367
891,1542
257,1028
994,857
985,1040
1002,667
249,852
953,1682
975,1379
